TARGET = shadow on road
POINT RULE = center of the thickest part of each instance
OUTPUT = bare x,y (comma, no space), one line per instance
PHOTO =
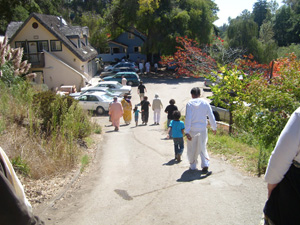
191,175
171,163
170,80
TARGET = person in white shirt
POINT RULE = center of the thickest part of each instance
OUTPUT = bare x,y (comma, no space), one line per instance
141,67
124,81
283,176
197,110
156,107
155,67
148,67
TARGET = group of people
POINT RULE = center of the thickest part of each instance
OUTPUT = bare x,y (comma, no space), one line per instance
124,108
146,67
194,128
283,171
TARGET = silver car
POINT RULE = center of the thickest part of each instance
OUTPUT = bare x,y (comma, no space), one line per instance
95,101
112,85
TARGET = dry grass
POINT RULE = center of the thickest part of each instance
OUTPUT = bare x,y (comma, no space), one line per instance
42,163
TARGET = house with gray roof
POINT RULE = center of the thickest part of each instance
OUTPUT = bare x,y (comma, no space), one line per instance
127,45
59,53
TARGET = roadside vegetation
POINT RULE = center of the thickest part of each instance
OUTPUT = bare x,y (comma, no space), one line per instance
259,97
43,133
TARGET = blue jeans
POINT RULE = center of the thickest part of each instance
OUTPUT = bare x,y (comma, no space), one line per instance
178,145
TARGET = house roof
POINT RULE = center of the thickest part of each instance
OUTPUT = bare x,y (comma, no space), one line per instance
12,28
118,43
61,30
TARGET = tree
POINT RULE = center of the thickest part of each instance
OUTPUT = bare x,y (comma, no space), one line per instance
97,28
286,27
163,21
242,33
261,12
190,59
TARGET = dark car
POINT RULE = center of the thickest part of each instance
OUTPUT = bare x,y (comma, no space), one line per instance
116,70
131,77
122,64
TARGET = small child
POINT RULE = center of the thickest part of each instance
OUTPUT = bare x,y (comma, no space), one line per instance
177,128
136,115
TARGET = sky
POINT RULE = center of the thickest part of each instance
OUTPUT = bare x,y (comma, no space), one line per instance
233,8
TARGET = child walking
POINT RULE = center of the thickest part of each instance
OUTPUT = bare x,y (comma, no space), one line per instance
136,115
177,128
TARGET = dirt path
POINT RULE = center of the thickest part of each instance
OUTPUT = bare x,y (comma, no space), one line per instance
135,181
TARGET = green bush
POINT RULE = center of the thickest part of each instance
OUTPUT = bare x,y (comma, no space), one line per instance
20,165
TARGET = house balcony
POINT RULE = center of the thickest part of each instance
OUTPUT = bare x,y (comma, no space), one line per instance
37,60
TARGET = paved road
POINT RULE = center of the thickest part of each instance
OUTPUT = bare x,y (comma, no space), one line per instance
135,180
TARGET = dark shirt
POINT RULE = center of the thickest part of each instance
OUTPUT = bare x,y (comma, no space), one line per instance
12,210
145,105
170,109
142,88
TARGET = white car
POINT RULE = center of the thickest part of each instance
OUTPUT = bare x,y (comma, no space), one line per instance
95,101
112,85
105,90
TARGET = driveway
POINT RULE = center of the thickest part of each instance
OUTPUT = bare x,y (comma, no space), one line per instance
134,179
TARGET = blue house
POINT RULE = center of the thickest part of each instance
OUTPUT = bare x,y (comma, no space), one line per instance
127,45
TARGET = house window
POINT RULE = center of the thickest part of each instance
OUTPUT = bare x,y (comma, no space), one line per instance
137,49
35,25
104,50
43,45
21,44
116,50
55,46
130,36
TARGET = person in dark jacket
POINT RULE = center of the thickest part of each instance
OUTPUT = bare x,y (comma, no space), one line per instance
14,207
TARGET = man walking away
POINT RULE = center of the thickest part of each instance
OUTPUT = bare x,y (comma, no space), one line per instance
197,110
156,106
141,90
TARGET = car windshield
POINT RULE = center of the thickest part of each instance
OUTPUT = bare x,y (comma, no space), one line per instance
110,92
118,85
106,97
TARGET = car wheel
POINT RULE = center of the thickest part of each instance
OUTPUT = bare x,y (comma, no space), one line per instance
130,83
100,110
217,116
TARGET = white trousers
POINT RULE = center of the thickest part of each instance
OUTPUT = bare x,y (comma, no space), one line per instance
197,146
156,115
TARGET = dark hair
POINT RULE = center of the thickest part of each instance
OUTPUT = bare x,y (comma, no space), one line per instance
135,109
176,115
145,98
195,91
172,102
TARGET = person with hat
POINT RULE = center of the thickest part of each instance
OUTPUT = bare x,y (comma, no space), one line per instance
116,112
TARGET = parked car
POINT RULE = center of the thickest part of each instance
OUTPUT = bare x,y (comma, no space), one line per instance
220,113
122,64
108,91
131,77
95,101
114,71
112,85
66,89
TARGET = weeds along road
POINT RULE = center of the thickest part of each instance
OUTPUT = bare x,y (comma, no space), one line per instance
135,181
